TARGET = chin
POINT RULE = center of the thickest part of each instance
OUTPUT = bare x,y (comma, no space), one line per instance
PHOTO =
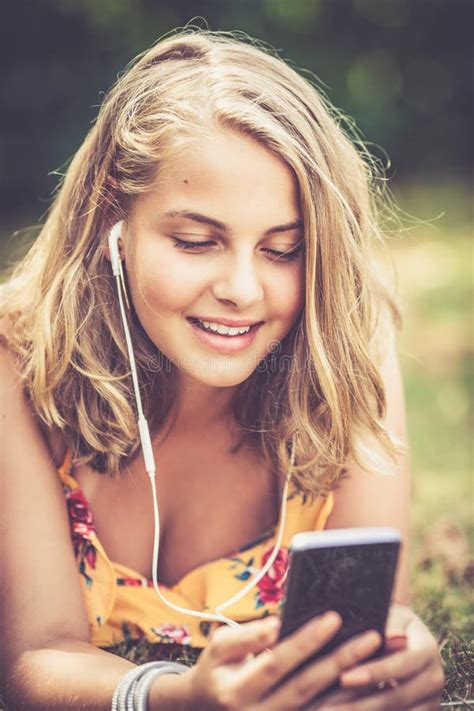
222,375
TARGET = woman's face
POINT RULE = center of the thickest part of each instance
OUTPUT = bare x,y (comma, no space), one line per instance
200,254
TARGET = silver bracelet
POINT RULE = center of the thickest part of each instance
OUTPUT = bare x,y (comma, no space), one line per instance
131,693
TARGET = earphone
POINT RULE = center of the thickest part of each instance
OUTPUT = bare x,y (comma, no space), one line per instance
149,459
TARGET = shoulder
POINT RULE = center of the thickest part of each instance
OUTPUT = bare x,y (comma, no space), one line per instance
35,542
363,498
382,499
15,408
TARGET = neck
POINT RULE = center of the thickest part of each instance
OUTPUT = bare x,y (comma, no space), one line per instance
202,407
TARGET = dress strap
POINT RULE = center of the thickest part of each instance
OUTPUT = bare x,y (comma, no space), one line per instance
65,467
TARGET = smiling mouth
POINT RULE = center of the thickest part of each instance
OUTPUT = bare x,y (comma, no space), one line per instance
199,324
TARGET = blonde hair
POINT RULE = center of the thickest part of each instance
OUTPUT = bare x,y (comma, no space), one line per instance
324,382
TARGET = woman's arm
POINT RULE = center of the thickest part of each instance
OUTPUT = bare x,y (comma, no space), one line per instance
364,499
69,675
46,659
414,672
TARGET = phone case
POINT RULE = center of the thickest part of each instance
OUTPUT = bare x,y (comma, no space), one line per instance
353,576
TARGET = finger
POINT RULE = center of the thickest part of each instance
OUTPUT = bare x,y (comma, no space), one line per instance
423,688
330,699
229,644
398,619
321,674
399,665
266,670
395,643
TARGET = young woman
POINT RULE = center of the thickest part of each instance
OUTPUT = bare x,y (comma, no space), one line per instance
267,370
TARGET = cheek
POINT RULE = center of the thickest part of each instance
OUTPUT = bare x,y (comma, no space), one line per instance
154,283
289,294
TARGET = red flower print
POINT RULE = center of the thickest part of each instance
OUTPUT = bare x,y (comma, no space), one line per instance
90,555
79,512
82,530
132,582
82,526
173,633
272,584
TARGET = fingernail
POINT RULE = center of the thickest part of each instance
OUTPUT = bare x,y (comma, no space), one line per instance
396,638
355,677
395,644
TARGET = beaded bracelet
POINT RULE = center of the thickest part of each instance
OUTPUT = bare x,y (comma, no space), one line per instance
131,693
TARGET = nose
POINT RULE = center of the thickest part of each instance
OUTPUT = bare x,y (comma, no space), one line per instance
238,282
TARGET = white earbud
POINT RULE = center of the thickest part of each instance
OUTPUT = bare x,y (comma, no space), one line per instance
114,236
115,260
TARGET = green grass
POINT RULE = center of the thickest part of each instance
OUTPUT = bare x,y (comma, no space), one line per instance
434,269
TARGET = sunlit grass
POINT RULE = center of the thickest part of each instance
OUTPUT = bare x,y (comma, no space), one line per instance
434,267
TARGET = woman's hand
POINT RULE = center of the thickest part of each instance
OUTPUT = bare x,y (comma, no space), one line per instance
411,675
228,677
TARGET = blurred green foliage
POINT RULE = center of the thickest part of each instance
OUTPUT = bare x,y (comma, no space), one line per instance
400,68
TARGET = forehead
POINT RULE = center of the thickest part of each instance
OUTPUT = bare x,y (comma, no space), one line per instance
228,174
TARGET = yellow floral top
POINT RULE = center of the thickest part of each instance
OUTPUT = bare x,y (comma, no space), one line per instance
122,605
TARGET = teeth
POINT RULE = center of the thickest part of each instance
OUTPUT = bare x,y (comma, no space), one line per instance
224,330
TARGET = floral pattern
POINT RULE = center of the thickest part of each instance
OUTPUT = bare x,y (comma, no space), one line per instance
82,533
135,582
179,634
271,587
242,564
82,530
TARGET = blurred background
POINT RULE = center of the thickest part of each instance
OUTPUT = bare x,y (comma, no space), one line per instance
402,69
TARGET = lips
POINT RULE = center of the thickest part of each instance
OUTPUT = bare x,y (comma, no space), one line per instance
223,343
224,321
199,322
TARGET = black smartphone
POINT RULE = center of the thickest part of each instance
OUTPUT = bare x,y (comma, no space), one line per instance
350,571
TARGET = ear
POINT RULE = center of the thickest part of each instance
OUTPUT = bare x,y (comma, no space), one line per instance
106,251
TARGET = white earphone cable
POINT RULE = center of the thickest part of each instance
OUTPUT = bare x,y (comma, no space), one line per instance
150,466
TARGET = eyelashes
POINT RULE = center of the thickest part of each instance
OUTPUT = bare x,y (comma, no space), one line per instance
190,246
276,256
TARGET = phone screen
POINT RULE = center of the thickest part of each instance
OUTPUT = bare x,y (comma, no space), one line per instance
354,579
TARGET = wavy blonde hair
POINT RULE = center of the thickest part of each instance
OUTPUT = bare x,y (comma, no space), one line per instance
324,382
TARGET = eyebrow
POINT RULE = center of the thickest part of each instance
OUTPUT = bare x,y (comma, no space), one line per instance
206,220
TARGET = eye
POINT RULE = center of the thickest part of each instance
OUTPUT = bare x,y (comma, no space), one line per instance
288,256
276,256
184,244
